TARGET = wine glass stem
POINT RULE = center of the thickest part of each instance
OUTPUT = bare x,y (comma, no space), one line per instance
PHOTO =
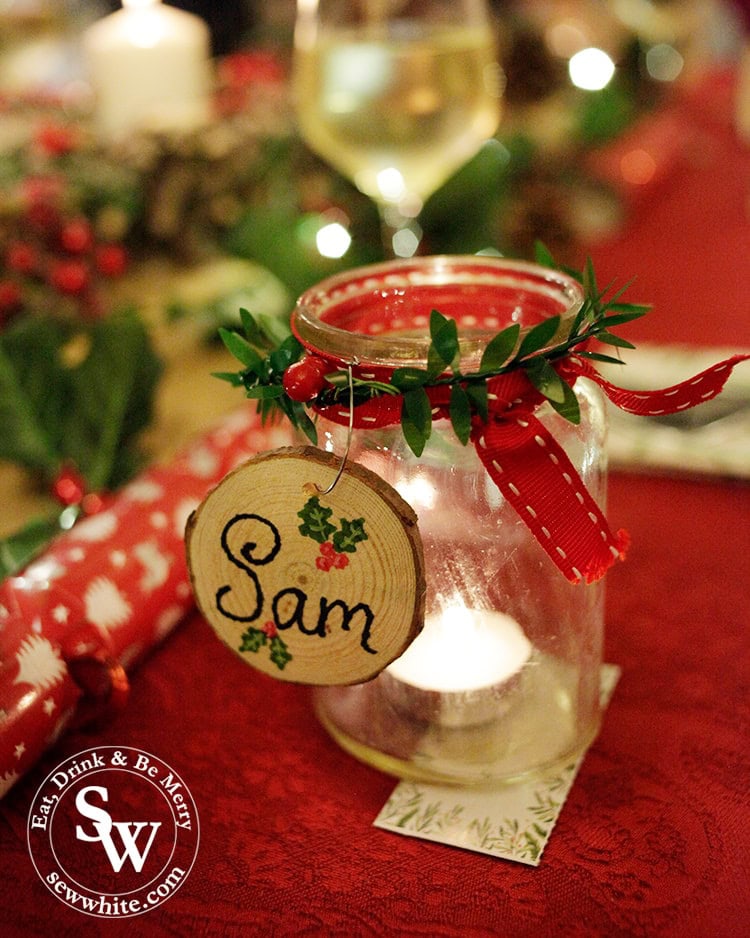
401,234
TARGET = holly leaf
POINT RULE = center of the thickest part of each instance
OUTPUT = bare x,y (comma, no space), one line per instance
545,379
351,533
539,336
19,549
253,640
88,413
499,349
263,332
599,357
241,349
265,392
542,255
110,401
33,387
610,339
281,358
417,405
407,378
280,655
444,336
315,523
477,393
231,377
460,413
625,312
569,407
416,419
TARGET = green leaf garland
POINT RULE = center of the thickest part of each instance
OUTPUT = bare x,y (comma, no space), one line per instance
536,352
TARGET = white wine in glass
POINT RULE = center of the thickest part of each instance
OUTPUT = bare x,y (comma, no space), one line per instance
396,95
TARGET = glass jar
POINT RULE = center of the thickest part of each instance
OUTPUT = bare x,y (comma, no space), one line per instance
503,681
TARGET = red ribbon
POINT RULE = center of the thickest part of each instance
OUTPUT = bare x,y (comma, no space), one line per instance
529,466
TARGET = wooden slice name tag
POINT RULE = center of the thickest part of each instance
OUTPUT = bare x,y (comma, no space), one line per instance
308,587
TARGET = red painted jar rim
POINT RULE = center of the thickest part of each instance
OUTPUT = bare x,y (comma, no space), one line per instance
379,313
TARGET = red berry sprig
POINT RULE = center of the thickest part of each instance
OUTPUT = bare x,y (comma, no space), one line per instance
305,379
330,557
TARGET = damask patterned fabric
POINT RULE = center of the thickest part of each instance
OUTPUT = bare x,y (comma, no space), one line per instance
653,839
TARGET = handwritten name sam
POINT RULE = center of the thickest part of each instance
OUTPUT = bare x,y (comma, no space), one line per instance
308,587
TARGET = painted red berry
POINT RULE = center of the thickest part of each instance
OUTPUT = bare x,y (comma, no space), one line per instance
69,276
21,257
304,379
340,561
76,236
327,549
323,563
111,260
270,629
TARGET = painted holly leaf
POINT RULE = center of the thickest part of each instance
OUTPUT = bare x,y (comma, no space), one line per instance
315,520
351,533
279,653
253,640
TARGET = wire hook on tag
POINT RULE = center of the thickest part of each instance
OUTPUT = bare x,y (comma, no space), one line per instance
349,432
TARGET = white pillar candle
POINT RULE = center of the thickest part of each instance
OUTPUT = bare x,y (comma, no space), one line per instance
148,65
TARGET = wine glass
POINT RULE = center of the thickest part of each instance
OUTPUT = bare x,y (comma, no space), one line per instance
396,95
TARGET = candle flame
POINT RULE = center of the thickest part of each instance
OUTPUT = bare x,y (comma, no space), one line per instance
464,650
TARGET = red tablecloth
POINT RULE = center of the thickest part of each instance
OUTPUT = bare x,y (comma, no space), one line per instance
655,836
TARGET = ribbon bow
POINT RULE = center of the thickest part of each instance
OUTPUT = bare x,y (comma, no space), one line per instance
529,466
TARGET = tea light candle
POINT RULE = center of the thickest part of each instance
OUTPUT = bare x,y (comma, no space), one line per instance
148,65
459,665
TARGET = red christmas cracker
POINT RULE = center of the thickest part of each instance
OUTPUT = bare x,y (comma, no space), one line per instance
103,594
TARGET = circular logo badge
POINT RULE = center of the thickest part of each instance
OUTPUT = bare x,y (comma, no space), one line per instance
113,832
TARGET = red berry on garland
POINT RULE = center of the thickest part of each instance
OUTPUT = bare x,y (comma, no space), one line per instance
69,487
304,379
323,563
327,549
111,260
70,277
56,139
76,236
21,257
340,561
43,218
10,297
